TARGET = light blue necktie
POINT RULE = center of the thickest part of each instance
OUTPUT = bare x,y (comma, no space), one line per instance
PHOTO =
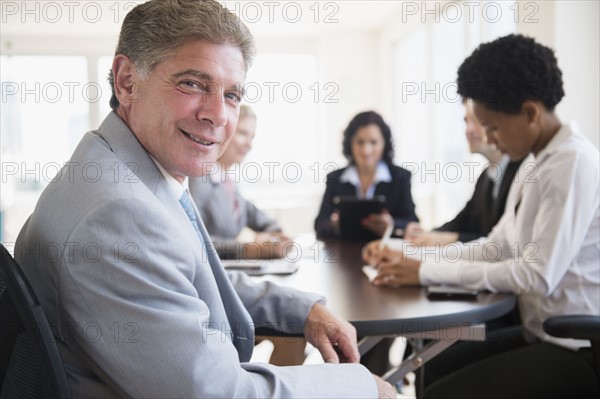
242,338
186,203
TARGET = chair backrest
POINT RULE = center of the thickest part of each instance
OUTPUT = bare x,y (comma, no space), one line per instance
586,327
30,365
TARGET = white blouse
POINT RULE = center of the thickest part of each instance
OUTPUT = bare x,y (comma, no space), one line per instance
546,246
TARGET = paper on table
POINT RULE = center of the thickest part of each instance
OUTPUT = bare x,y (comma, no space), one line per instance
370,272
261,267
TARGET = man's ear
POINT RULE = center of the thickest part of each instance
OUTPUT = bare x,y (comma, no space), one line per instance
125,77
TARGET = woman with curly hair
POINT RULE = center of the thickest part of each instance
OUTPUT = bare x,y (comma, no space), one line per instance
546,244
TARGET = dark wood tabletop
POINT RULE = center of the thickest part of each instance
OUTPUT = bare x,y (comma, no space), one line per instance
334,271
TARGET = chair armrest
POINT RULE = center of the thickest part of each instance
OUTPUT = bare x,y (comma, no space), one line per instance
575,326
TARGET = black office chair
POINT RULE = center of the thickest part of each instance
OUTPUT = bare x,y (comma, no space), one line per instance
30,365
585,327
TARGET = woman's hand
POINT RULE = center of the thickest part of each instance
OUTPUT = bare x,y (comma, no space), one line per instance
395,268
378,222
335,221
371,253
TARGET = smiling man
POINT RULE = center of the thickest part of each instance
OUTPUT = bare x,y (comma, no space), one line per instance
185,113
138,301
544,248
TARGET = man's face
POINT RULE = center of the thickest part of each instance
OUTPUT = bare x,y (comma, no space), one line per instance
511,133
186,111
476,136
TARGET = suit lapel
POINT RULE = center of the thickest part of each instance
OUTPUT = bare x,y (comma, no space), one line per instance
508,178
383,188
243,330
126,146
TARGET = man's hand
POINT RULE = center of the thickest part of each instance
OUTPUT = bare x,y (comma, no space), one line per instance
267,246
413,231
386,390
333,337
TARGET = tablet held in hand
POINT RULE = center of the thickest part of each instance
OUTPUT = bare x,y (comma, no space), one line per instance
353,210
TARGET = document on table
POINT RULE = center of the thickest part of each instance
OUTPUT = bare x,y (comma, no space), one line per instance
370,272
260,267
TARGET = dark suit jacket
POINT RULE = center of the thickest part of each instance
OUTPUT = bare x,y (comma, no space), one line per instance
398,199
482,212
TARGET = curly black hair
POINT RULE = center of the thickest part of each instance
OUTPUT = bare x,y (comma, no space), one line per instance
510,70
363,119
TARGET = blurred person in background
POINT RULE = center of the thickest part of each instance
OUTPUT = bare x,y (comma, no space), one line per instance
226,212
369,149
486,206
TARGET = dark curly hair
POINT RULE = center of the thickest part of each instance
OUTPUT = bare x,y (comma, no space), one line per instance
510,70
363,119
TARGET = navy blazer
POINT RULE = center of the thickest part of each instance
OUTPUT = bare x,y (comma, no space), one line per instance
398,199
482,212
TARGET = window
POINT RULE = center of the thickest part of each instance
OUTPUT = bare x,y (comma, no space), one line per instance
44,108
281,89
104,66
428,115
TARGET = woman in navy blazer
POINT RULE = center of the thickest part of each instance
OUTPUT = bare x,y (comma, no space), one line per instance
368,146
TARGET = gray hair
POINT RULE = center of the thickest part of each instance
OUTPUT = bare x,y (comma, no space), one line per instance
154,30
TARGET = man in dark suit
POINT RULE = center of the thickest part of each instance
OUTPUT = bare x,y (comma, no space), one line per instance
486,206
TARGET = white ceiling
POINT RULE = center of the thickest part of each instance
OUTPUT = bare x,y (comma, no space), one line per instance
301,18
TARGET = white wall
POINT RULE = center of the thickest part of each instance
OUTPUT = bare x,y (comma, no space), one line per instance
360,62
349,61
571,28
577,44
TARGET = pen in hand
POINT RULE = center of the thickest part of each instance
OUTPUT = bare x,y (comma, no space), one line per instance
384,239
371,270
386,236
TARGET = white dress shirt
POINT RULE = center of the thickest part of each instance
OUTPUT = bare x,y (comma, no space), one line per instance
546,246
175,187
382,175
496,173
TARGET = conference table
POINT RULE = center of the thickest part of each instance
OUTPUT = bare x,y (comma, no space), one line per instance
334,269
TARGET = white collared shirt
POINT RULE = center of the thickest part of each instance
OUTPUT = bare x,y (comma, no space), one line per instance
495,172
547,250
382,174
175,187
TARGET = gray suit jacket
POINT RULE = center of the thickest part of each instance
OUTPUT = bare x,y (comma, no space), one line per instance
217,214
139,305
